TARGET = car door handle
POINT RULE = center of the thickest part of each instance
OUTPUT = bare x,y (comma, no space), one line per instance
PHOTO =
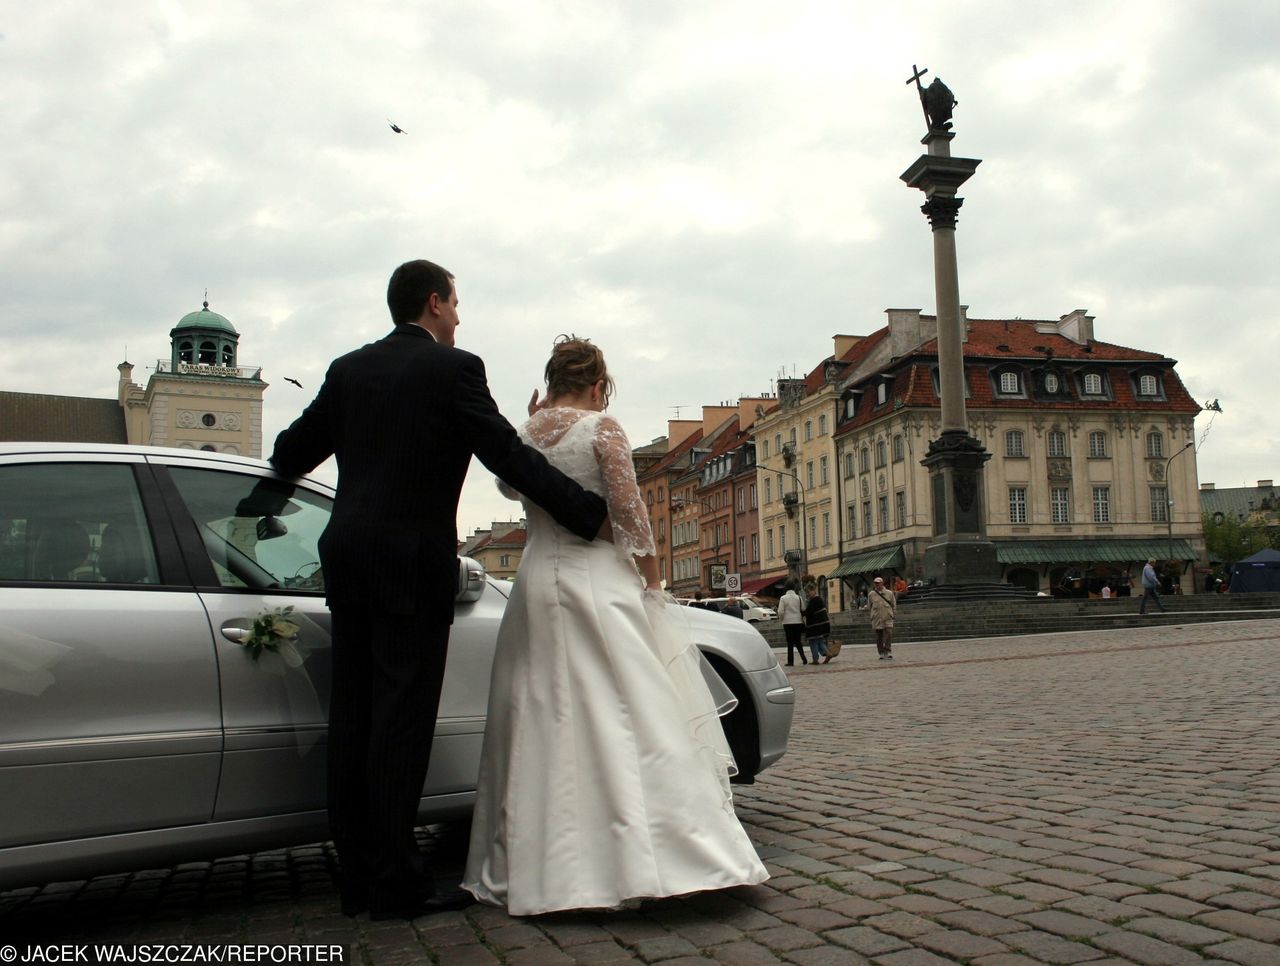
237,635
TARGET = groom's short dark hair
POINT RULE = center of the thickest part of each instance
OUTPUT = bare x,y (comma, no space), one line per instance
412,284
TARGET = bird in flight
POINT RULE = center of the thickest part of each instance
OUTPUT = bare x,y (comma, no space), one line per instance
294,381
395,127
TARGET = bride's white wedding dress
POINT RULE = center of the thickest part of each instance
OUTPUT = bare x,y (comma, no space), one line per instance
604,774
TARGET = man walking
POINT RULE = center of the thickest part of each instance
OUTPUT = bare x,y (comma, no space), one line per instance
1150,584
404,416
791,614
884,605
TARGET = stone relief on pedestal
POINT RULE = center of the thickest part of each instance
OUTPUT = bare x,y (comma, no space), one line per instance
1059,469
1156,471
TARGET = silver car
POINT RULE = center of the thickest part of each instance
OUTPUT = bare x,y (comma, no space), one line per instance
137,729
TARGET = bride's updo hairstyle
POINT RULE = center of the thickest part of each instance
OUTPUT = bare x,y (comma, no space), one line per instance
575,366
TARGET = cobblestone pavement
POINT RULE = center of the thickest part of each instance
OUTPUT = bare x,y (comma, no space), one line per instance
1099,797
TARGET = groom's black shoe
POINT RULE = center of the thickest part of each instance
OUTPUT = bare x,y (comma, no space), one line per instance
412,908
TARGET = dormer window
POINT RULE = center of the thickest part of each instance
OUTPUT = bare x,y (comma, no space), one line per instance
850,407
1092,383
1052,384
882,393
1146,385
1009,382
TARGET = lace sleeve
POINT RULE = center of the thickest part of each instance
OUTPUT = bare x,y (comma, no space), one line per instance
632,534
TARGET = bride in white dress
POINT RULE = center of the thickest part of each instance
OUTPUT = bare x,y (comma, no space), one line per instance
604,775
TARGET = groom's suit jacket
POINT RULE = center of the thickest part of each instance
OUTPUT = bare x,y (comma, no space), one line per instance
404,416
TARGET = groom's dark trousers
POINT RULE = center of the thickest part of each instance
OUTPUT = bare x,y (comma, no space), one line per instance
403,416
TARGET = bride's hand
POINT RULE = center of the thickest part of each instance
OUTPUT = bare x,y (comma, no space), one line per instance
534,405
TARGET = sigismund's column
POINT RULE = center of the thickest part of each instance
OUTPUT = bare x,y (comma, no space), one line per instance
960,552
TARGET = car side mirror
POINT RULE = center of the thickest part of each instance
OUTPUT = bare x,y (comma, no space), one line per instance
271,527
471,580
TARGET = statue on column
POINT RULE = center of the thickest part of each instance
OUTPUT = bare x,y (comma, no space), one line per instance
936,99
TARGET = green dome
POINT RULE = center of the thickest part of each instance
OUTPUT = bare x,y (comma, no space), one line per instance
205,321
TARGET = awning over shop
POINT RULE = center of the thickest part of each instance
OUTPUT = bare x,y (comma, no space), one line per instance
760,583
883,558
1090,551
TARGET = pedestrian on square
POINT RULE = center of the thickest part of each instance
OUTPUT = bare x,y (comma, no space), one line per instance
817,625
1150,584
791,613
884,605
1106,591
733,608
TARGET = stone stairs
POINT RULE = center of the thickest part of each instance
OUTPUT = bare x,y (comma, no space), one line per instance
936,620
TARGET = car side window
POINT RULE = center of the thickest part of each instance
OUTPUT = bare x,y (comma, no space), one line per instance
79,522
260,533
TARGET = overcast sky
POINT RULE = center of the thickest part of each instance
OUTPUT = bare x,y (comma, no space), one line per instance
709,190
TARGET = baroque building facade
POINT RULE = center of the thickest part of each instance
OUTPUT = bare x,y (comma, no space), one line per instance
1092,468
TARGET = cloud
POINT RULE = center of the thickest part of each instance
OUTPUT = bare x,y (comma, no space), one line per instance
710,191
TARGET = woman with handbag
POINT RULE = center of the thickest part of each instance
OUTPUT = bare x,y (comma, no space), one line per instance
817,625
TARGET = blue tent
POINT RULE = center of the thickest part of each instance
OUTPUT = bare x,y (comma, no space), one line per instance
1257,574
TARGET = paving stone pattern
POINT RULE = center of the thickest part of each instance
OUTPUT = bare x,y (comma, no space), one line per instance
1105,797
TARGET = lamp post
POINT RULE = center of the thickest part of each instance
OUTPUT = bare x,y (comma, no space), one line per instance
788,457
1169,495
679,503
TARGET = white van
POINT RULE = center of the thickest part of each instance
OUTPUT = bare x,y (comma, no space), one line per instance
753,611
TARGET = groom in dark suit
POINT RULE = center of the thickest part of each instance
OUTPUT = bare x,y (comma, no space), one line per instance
404,416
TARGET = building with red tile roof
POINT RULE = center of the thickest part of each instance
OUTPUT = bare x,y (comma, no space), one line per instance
1090,473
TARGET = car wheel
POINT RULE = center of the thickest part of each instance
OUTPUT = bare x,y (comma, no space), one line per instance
740,726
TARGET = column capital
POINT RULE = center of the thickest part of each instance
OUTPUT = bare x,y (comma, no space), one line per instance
941,210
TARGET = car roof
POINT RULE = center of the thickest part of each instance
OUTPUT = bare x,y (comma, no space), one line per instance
151,453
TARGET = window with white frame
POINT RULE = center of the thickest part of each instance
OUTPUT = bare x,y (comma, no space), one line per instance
1159,504
882,393
1057,443
1014,443
1017,504
1009,383
1051,383
813,531
808,474
826,529
865,460
898,448
824,475
662,494
1060,504
755,547
769,542
777,443
808,430
768,490
504,560
1092,384
881,453
822,425
866,518
1102,504
1155,445
793,437
782,539
764,446
742,499
1148,386
852,514
752,490
1098,444
882,505
662,568
742,550
848,464
900,508
662,527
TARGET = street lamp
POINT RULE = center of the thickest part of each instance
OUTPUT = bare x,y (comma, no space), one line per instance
1169,497
788,457
679,503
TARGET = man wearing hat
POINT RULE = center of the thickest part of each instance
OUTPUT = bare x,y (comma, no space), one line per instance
884,604
1149,584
